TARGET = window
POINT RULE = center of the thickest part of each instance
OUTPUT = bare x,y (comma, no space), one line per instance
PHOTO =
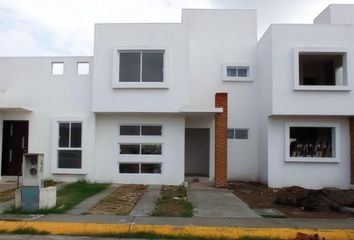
69,145
57,68
136,168
143,149
140,130
237,133
234,71
83,68
141,66
310,142
321,69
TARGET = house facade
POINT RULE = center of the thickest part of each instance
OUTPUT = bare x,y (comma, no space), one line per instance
159,103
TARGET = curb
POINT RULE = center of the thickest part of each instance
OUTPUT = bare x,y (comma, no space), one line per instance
95,229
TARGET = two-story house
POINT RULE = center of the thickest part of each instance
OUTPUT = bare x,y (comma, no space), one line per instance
158,103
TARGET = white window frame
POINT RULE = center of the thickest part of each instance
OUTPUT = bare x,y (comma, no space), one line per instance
83,74
55,146
335,143
154,85
140,126
140,154
140,173
52,69
318,50
227,78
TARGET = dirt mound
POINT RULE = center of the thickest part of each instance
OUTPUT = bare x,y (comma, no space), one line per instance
303,236
315,200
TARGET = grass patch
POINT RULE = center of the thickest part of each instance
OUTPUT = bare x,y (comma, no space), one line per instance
173,202
68,197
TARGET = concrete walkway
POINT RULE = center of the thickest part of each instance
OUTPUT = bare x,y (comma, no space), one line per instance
89,203
221,203
146,204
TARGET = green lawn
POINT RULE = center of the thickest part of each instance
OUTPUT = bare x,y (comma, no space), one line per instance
68,197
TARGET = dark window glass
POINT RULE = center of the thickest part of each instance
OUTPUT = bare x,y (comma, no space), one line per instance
128,168
151,130
129,148
130,130
242,72
151,149
152,67
64,134
241,134
69,158
231,72
230,133
150,168
75,134
129,66
311,142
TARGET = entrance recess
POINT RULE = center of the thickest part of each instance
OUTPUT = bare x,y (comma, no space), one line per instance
197,152
14,144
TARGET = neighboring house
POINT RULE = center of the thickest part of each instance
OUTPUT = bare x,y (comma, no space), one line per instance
200,98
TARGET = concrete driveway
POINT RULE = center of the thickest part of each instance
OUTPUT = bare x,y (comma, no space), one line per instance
218,203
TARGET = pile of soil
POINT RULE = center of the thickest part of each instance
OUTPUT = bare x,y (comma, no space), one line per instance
303,236
295,201
173,202
316,200
121,201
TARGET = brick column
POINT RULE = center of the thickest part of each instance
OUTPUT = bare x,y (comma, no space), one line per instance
351,127
221,141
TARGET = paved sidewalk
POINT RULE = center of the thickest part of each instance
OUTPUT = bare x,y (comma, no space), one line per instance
221,203
89,203
55,237
146,204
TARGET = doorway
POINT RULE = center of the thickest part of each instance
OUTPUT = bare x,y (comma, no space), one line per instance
197,152
14,145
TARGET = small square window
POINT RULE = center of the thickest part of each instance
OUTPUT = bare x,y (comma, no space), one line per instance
236,72
83,68
57,68
231,133
241,133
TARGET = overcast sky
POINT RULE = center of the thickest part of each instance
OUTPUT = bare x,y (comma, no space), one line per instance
65,27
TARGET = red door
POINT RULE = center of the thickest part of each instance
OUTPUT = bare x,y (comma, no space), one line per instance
14,144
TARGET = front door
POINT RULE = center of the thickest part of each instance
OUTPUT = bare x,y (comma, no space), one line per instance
14,144
197,152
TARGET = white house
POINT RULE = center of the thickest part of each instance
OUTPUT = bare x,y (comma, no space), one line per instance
157,103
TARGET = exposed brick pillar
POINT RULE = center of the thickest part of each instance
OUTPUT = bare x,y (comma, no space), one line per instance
351,127
221,141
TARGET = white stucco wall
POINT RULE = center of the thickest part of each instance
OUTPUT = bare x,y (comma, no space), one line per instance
306,174
172,38
287,100
28,81
217,37
336,14
107,148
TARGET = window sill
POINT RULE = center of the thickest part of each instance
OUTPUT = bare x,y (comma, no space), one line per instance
323,88
141,85
312,160
246,79
69,171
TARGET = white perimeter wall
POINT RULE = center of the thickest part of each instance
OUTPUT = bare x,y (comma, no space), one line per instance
107,148
307,175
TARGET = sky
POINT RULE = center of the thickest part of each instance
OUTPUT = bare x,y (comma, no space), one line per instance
65,27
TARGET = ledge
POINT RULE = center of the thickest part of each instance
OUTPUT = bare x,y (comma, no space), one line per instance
140,86
323,88
311,160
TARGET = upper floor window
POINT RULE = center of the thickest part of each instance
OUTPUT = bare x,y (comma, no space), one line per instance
57,68
83,68
236,72
141,66
321,69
